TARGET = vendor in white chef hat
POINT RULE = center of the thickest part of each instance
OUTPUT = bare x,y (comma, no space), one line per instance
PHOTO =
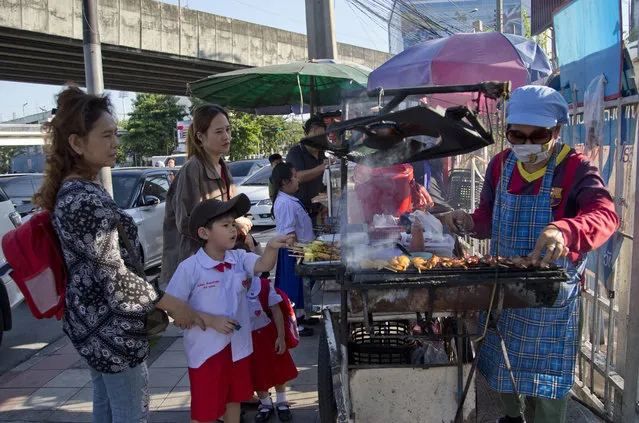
544,200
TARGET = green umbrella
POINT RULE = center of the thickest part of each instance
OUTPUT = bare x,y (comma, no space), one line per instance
277,89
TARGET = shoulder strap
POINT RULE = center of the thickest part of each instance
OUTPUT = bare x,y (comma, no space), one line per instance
139,269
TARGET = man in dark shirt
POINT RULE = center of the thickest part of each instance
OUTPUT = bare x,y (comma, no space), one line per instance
310,164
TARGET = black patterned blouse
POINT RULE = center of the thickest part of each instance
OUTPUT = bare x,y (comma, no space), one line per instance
106,302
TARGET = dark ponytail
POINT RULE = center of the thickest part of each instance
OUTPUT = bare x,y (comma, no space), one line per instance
281,173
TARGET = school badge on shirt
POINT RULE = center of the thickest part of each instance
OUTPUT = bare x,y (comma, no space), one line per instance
555,197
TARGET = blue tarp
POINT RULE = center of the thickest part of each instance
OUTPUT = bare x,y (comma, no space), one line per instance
588,40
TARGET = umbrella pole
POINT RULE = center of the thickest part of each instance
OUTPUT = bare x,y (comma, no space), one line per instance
299,87
312,108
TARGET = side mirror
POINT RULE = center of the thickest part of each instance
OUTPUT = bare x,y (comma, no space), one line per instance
150,201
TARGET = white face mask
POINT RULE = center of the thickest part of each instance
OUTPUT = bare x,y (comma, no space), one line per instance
531,153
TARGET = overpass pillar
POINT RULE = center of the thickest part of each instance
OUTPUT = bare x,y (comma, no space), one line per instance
320,29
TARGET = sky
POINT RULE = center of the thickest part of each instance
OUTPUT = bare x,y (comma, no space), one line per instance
350,27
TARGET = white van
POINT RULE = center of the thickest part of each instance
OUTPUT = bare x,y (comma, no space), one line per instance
10,295
180,159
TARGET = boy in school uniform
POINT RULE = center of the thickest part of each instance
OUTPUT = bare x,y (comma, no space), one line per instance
214,281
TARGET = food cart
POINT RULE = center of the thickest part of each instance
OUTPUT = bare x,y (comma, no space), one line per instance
368,371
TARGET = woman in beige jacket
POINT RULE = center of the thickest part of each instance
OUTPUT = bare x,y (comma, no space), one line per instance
203,176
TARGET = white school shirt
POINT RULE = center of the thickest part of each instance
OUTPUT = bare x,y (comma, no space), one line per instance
206,289
259,319
290,216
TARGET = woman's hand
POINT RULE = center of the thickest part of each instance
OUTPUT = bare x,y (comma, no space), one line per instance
244,225
280,345
183,315
458,221
551,239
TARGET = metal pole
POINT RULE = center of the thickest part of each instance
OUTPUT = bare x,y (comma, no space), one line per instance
630,405
93,66
499,15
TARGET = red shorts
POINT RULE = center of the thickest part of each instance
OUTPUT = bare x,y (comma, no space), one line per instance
268,368
217,382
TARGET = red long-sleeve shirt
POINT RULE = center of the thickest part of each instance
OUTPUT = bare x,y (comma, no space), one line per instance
582,206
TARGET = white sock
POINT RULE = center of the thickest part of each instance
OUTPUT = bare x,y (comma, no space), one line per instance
267,401
280,397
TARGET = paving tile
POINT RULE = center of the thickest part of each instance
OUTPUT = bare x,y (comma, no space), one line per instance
178,345
68,349
8,376
70,378
49,398
172,417
161,378
178,400
82,401
306,375
23,416
184,381
64,416
158,395
303,399
11,398
171,359
31,379
56,362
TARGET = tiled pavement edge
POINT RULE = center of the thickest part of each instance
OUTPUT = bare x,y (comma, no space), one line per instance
54,386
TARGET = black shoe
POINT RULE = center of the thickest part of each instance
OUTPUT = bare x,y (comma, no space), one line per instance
312,321
306,332
264,413
284,412
508,419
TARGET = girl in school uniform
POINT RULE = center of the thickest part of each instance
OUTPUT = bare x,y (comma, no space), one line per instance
290,218
271,363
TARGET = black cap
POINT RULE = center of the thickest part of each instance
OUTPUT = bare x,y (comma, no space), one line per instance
208,209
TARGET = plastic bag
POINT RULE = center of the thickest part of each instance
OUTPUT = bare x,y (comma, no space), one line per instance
433,228
594,112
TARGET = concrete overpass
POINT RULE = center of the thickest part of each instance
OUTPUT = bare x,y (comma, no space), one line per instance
147,46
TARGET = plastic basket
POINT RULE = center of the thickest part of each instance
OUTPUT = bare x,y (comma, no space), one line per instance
389,345
460,189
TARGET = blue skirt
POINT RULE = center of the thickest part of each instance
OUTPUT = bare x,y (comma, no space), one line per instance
287,281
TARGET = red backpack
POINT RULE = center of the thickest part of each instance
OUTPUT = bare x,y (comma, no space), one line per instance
37,266
291,334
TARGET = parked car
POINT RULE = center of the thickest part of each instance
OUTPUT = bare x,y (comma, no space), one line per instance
20,188
10,295
141,192
242,169
256,189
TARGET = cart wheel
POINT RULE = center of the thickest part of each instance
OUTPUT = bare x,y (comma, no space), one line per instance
327,405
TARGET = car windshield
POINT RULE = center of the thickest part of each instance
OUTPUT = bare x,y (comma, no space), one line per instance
260,177
240,168
123,188
19,188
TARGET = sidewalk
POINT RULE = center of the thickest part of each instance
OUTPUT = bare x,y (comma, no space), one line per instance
55,385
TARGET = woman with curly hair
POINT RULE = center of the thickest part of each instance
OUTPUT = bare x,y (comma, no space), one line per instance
106,302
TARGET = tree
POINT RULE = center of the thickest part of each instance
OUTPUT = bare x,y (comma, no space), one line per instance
247,135
6,154
152,125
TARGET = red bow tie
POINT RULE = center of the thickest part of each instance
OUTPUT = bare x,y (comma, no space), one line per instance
220,267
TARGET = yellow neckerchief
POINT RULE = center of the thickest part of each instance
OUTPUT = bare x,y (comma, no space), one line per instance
530,177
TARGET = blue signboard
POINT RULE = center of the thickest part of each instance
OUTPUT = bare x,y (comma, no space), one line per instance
588,40
628,120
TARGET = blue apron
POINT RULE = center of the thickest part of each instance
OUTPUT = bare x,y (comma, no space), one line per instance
542,343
